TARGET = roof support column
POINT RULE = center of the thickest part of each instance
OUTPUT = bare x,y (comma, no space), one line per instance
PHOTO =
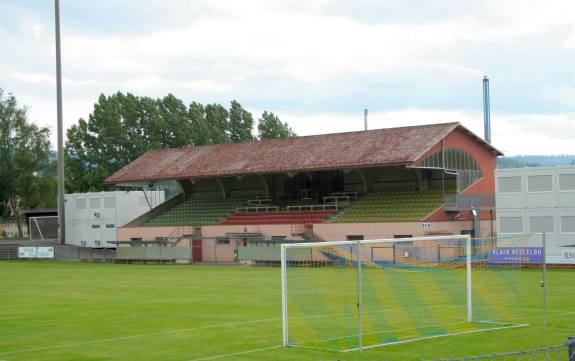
223,187
422,180
363,180
266,185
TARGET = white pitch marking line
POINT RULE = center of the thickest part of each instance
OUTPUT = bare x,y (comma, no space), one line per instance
237,353
121,338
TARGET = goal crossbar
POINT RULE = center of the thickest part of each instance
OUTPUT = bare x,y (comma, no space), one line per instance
373,241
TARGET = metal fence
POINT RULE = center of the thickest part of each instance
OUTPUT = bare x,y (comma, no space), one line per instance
564,352
74,253
61,253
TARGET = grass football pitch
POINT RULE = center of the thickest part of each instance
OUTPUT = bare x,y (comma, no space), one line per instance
82,311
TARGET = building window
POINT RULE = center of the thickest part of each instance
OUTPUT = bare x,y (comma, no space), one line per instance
109,202
94,203
402,236
95,226
110,226
511,224
567,182
457,160
509,184
567,224
540,183
136,241
539,224
223,241
354,237
80,203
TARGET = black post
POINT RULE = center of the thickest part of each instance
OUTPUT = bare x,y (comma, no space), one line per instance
571,346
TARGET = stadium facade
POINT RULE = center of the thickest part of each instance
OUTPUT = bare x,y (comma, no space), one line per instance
435,179
531,201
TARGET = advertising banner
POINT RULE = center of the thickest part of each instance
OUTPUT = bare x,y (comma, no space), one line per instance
35,252
529,255
568,255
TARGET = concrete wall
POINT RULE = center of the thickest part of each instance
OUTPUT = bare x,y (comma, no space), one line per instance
340,231
144,233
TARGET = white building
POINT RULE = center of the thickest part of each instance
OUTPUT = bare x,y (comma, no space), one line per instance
92,218
535,200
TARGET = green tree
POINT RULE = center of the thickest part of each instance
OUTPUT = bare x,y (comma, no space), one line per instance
121,128
241,123
24,158
218,124
198,124
271,127
108,140
177,130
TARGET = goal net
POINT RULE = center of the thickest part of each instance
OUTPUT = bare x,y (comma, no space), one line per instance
43,228
350,295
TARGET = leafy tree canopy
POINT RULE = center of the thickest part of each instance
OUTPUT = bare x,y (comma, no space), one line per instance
271,127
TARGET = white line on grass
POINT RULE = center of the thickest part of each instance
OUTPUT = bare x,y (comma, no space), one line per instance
235,300
237,353
122,338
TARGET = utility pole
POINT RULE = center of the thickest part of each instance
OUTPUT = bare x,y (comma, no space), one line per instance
60,127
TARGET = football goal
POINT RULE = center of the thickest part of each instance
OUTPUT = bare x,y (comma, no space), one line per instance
352,295
43,228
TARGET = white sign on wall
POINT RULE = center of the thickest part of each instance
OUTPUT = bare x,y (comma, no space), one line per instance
568,255
35,252
426,225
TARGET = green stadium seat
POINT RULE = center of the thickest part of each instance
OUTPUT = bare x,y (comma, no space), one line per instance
390,206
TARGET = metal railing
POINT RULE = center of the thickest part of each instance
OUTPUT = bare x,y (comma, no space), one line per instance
465,202
61,253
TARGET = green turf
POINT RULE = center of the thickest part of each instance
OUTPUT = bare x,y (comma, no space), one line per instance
80,311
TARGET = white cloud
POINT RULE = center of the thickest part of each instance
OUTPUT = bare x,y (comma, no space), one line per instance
296,56
570,41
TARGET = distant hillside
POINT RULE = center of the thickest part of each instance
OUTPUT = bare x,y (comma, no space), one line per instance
520,161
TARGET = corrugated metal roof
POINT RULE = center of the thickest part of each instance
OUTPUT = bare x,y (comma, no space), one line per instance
329,151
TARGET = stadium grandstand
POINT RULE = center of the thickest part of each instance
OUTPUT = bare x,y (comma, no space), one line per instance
435,179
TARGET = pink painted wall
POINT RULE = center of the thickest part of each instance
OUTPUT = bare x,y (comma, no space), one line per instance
146,233
339,231
214,252
268,230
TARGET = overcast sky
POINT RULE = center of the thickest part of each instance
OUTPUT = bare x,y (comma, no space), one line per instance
317,64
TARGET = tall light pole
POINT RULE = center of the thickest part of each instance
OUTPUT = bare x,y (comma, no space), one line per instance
61,208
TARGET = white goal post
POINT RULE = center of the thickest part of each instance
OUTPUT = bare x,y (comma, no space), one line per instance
352,295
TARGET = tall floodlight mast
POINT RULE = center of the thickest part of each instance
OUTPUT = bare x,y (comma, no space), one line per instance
60,127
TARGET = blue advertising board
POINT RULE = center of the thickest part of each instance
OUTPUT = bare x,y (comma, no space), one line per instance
526,255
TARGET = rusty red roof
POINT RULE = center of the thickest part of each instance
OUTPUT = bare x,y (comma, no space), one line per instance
391,146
